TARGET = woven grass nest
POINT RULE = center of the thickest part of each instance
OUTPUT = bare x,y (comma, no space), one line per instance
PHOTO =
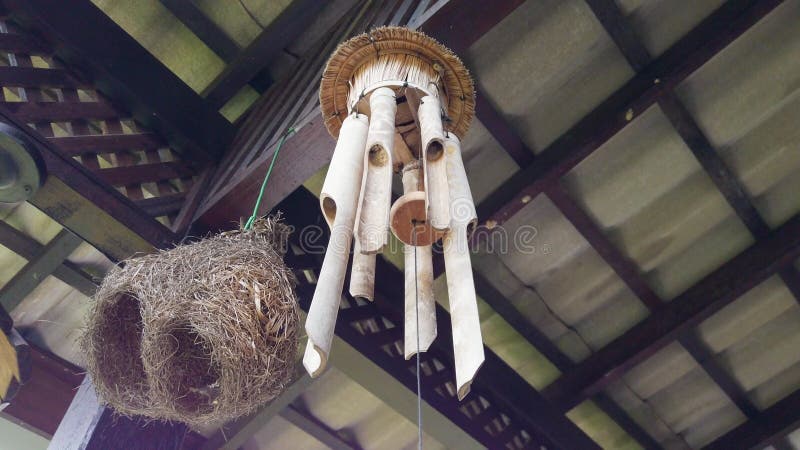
202,333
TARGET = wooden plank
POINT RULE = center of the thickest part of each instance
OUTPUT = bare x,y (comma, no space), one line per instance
714,166
235,434
59,111
88,425
705,357
311,425
622,266
616,25
45,397
751,267
29,248
128,73
36,270
768,427
35,77
88,207
283,30
106,143
459,23
209,32
502,132
659,78
22,44
162,206
613,20
144,173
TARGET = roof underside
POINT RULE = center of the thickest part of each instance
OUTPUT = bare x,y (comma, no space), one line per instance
545,67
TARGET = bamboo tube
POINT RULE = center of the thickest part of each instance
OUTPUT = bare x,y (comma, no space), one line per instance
462,206
419,295
362,275
435,175
467,339
339,200
373,223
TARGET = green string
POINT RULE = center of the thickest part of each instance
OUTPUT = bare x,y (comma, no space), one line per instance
249,223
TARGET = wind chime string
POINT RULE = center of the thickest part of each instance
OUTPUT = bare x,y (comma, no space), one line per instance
249,223
416,315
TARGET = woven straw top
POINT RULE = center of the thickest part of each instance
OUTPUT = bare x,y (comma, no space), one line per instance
366,48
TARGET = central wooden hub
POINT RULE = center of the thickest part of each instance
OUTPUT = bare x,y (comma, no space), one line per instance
409,223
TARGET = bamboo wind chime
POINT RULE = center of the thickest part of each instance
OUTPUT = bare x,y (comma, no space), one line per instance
397,101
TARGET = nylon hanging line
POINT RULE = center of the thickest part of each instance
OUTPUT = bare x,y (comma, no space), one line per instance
416,315
249,223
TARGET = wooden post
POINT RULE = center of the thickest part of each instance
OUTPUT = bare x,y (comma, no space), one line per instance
90,426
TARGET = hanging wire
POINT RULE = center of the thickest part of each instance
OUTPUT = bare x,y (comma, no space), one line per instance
416,316
249,223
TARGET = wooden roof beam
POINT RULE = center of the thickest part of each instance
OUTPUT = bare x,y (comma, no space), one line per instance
124,70
87,206
37,269
289,24
613,20
29,248
655,81
768,428
718,289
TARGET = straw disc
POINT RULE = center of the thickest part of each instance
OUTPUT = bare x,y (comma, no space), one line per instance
404,55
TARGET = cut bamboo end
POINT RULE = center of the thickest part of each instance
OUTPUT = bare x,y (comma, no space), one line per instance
420,303
314,360
340,194
362,274
467,339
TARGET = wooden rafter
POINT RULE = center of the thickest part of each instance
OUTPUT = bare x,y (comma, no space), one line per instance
614,22
209,32
262,51
658,79
721,287
769,427
38,268
29,248
127,72
308,423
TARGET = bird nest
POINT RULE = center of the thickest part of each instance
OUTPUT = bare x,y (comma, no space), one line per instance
202,333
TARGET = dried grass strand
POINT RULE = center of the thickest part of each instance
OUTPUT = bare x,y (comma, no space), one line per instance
202,333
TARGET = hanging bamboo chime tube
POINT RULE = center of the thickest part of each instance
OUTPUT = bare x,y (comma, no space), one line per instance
376,195
420,303
362,274
438,201
339,202
408,84
467,339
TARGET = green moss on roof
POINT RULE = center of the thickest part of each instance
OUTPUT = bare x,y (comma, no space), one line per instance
600,428
231,16
166,38
239,103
